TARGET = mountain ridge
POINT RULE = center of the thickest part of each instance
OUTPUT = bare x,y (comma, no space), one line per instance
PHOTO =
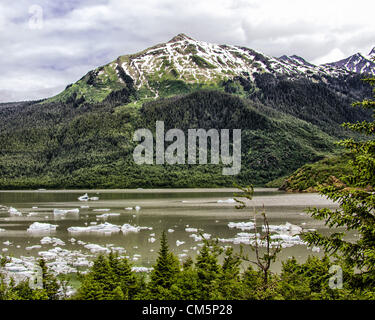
185,62
82,138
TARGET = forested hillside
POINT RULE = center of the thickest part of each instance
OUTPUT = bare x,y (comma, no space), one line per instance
82,138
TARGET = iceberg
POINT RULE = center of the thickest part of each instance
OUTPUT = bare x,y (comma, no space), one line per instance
14,212
58,212
206,236
106,215
242,225
85,197
33,247
95,248
179,243
227,201
287,227
42,227
126,228
106,228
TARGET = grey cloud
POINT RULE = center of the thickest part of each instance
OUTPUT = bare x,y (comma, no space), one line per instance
80,35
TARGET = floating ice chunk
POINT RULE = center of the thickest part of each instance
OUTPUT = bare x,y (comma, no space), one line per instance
46,240
106,228
42,227
179,243
152,240
7,243
85,197
170,230
126,228
106,215
242,225
286,237
94,198
315,249
82,262
14,212
206,236
95,248
85,207
129,208
5,249
33,247
59,212
137,208
32,214
182,255
227,201
287,227
53,241
2,230
191,229
101,210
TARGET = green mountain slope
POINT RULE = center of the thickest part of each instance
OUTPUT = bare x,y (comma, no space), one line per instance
82,138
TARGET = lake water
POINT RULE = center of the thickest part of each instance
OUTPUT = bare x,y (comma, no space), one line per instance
207,210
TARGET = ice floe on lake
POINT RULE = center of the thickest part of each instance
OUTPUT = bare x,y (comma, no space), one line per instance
196,237
107,215
61,212
179,243
242,225
105,228
287,227
42,227
14,212
227,201
86,197
53,241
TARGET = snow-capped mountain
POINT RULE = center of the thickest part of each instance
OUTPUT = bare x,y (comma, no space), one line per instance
198,63
190,60
357,63
297,61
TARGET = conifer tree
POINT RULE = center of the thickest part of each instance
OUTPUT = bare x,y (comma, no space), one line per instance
165,271
356,210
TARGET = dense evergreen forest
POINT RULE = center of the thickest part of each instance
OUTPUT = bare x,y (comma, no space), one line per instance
73,143
347,271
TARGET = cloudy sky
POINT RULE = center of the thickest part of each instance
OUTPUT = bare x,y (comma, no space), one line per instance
47,44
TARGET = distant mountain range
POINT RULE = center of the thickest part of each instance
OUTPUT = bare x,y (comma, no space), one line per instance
289,110
198,63
357,63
